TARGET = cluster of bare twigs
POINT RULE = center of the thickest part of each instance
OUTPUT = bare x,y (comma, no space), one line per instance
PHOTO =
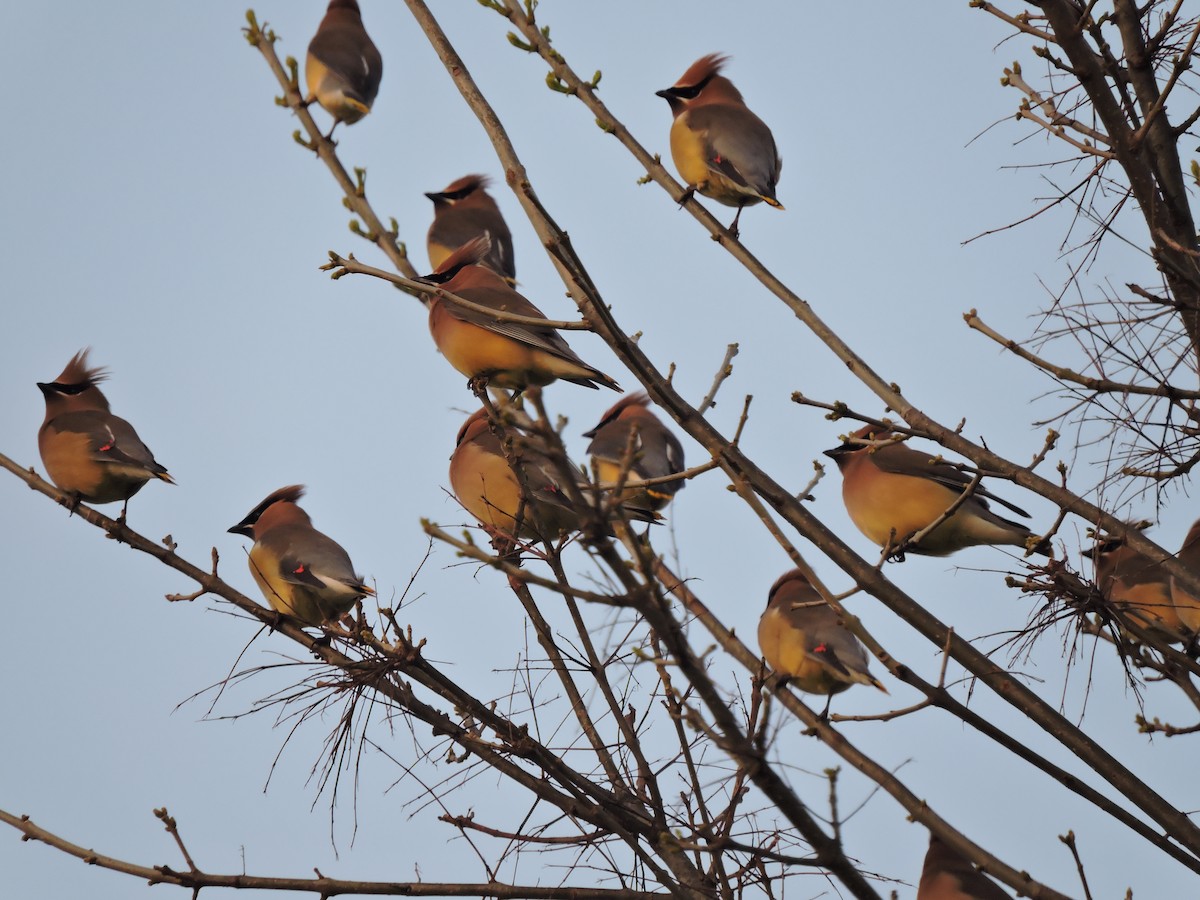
1113,83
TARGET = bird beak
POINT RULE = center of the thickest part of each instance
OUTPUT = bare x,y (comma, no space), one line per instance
434,197
243,529
665,93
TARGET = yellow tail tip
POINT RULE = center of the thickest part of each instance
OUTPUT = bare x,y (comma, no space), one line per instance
772,202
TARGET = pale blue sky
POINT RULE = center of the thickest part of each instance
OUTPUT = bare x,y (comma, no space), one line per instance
156,209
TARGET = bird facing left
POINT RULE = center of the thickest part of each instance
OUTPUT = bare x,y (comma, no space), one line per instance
302,572
87,451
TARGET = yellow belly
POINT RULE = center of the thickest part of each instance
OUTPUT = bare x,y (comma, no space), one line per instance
68,460
1149,605
691,161
289,598
328,89
900,503
1187,608
784,648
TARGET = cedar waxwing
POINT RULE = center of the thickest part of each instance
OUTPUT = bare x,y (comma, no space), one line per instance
803,637
527,502
1186,606
657,453
504,354
464,211
343,68
87,451
300,571
949,876
892,491
1139,586
720,147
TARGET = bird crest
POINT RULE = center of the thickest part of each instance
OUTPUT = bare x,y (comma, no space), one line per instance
701,70
290,494
472,253
78,375
638,399
463,187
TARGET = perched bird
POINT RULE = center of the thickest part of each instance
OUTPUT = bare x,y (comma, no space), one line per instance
521,494
488,349
343,67
1139,586
949,876
87,451
656,452
720,147
892,491
802,637
300,571
1187,606
464,211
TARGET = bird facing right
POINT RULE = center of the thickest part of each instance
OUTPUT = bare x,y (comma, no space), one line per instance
947,875
720,147
301,572
1139,586
343,68
803,637
1187,606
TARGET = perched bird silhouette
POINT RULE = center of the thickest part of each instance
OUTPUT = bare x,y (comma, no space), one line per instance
892,492
519,493
719,146
656,452
462,212
948,876
301,572
1138,585
87,451
1187,606
488,349
343,68
803,637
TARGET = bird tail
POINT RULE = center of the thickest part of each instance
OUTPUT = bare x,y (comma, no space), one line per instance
590,380
771,201
1041,548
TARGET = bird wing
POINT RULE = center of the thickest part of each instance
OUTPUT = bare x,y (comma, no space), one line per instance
456,227
657,452
901,460
739,145
346,50
544,338
309,558
827,642
112,440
